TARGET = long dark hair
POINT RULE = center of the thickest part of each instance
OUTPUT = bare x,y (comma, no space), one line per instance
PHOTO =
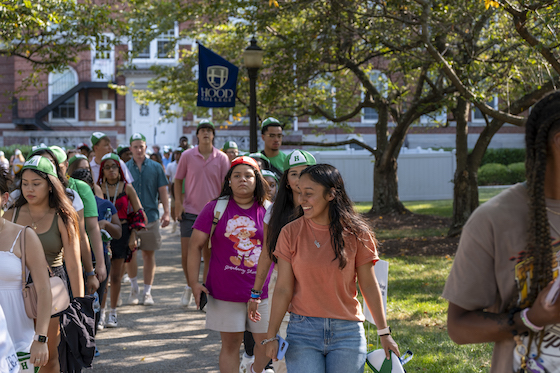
343,219
260,192
541,125
283,212
59,200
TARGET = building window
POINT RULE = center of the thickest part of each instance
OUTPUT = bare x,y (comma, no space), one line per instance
477,116
59,84
105,111
380,82
162,48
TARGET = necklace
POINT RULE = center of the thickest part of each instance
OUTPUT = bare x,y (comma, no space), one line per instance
552,211
317,243
108,183
33,222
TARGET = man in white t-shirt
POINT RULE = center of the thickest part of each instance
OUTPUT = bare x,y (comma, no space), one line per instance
102,145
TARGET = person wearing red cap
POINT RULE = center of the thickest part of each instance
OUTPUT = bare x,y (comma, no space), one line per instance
236,243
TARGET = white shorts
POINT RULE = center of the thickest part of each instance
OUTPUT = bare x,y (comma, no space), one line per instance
232,317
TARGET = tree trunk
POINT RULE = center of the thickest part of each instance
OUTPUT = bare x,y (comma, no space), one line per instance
465,191
386,188
385,180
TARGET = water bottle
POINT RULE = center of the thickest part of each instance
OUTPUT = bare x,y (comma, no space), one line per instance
108,214
96,305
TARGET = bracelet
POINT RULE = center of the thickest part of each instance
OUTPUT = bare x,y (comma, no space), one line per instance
253,291
92,273
255,296
269,340
384,332
528,323
255,300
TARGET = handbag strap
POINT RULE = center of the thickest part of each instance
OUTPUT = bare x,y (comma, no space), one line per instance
22,248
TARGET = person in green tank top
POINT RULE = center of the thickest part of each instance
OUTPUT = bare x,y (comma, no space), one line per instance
44,205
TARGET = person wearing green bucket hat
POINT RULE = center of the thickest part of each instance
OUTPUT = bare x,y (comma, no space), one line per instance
277,216
44,206
101,146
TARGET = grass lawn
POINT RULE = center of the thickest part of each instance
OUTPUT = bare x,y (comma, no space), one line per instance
441,207
416,311
417,315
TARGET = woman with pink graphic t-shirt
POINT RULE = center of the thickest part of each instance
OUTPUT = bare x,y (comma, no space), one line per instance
236,246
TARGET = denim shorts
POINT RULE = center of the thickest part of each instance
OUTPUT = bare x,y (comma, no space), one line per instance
320,345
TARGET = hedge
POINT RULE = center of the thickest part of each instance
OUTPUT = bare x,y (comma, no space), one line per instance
499,174
503,156
9,150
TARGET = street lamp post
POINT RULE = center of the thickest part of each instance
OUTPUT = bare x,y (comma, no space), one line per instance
253,61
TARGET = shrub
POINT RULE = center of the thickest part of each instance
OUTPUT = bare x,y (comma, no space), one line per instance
494,174
9,150
517,172
503,156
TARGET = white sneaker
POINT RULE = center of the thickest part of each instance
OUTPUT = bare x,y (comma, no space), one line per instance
119,302
112,321
187,297
173,227
133,297
148,300
125,279
101,323
269,370
246,362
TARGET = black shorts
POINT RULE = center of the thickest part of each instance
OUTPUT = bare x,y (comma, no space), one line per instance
187,223
119,248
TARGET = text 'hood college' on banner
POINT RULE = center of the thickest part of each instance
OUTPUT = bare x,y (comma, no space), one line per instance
217,79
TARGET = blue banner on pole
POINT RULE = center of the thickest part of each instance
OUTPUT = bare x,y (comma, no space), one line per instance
217,79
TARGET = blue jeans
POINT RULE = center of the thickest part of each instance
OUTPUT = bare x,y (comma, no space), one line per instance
325,345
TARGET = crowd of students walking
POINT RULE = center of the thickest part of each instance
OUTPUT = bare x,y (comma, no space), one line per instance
261,224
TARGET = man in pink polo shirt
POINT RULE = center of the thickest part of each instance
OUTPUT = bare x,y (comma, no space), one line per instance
203,169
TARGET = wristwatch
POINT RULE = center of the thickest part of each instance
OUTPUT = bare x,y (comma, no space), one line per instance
40,338
384,332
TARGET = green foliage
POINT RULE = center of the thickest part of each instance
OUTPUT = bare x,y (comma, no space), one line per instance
503,156
517,172
51,33
417,315
9,150
494,174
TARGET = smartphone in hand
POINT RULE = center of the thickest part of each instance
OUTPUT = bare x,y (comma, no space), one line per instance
282,347
203,300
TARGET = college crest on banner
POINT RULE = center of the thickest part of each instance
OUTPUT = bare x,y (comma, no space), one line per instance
217,79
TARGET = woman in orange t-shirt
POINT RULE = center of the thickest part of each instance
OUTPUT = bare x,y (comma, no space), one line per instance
320,255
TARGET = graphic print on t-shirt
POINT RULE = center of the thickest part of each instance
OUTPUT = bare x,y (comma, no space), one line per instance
549,358
241,230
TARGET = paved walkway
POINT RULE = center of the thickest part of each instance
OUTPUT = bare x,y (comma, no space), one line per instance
166,337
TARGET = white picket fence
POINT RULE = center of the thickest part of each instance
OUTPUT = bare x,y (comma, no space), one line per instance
422,175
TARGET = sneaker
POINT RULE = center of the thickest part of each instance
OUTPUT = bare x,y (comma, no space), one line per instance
119,302
173,227
125,279
246,362
101,323
148,300
133,297
268,370
112,321
187,297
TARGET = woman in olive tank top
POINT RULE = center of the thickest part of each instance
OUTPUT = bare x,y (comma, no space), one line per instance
44,205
